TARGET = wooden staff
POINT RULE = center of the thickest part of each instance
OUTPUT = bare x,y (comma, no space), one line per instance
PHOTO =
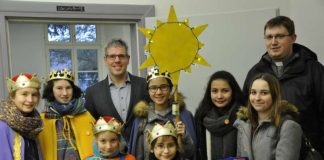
176,112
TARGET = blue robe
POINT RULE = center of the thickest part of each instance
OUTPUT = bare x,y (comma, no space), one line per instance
139,130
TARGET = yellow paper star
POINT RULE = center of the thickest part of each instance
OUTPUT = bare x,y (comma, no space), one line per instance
173,46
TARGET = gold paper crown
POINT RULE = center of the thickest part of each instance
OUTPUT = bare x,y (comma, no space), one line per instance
61,74
23,81
107,124
155,73
161,130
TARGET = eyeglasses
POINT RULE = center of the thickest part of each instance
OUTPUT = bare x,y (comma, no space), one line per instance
163,88
120,57
163,147
276,37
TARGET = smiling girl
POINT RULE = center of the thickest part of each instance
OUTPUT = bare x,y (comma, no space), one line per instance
159,110
216,115
20,122
262,131
66,120
163,142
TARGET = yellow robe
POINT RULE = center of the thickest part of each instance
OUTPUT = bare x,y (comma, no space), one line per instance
82,129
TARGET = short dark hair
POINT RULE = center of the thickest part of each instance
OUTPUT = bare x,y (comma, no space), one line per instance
116,43
281,21
48,90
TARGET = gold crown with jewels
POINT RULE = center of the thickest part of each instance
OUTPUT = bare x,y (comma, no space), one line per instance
23,81
61,74
107,123
161,130
155,73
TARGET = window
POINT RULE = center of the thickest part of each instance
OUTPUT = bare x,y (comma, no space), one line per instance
74,46
23,34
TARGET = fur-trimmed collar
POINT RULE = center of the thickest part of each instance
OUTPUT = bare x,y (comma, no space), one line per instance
287,109
142,107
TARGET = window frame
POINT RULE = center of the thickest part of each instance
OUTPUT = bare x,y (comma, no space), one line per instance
74,58
74,46
28,11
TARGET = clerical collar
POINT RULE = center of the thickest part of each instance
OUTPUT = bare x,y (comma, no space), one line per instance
278,63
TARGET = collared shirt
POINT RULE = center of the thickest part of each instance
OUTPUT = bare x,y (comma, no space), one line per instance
280,67
121,97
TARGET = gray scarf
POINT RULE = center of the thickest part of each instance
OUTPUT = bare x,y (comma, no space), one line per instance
223,134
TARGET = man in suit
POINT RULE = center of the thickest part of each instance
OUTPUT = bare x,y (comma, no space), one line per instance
116,95
300,74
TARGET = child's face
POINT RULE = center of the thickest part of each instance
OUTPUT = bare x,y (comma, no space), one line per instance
108,142
165,148
221,93
159,91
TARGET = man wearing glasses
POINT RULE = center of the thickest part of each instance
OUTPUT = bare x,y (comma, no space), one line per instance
300,74
116,95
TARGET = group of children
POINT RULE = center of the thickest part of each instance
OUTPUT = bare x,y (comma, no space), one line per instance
65,130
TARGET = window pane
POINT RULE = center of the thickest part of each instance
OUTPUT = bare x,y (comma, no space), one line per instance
60,59
58,33
87,79
85,33
87,60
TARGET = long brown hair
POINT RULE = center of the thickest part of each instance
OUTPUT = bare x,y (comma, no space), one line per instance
275,110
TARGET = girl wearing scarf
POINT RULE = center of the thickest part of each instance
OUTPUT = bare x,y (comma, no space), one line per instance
20,122
67,125
215,117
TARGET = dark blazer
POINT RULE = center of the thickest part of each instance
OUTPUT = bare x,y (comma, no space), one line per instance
99,101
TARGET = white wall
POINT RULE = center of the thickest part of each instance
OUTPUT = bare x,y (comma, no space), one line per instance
309,24
28,48
191,7
307,14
